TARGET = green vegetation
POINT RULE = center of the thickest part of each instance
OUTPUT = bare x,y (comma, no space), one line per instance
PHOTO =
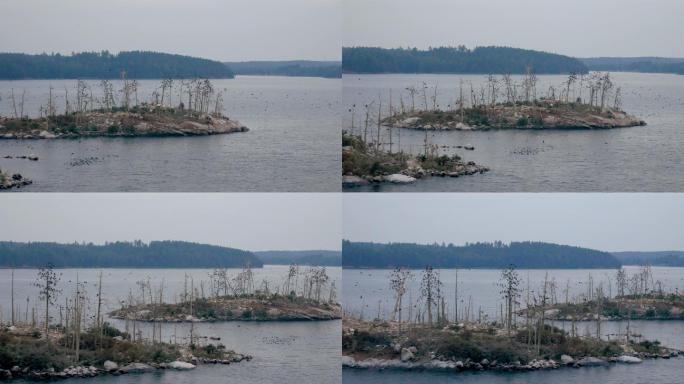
327,69
661,258
480,60
376,339
362,160
315,257
29,349
156,254
635,64
533,255
104,65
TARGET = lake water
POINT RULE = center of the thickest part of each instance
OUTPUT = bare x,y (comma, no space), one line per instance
366,293
284,352
292,145
638,159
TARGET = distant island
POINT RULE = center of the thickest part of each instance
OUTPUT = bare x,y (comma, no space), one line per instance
315,257
635,64
308,68
136,254
105,65
522,255
480,60
656,259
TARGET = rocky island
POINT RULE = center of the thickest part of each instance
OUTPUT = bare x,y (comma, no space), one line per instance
460,347
364,163
649,306
246,307
541,114
137,121
15,180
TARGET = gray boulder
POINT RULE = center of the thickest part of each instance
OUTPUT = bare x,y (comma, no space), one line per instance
406,355
110,365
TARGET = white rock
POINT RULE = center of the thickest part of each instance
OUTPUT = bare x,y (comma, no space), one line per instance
181,365
110,365
411,120
629,359
398,178
406,355
46,135
566,359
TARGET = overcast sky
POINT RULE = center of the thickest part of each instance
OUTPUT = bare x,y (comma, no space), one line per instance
608,222
251,221
578,28
232,30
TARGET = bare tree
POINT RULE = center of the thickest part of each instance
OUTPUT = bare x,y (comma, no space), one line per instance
47,287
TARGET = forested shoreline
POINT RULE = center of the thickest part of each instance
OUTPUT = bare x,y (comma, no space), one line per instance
479,60
522,255
136,254
105,65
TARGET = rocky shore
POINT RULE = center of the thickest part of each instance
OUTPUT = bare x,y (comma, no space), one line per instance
476,347
28,354
139,121
542,114
15,180
228,308
362,165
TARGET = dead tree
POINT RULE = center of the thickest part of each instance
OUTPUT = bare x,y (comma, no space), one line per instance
47,287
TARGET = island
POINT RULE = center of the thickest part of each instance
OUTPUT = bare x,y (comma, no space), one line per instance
100,350
541,114
244,307
142,120
646,306
364,163
470,346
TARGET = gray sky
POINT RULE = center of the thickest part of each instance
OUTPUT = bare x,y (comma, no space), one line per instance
578,28
251,221
232,30
608,222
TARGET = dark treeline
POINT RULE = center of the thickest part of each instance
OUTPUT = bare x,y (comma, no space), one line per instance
524,255
481,60
104,65
328,69
313,258
659,258
636,64
136,254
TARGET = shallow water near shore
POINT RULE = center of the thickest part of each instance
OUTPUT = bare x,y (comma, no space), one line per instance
292,145
283,352
642,159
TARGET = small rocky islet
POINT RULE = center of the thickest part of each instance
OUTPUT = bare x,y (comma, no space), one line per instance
251,307
145,120
647,306
363,164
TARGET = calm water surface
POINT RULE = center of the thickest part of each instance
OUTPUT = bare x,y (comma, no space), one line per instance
293,143
639,159
284,352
